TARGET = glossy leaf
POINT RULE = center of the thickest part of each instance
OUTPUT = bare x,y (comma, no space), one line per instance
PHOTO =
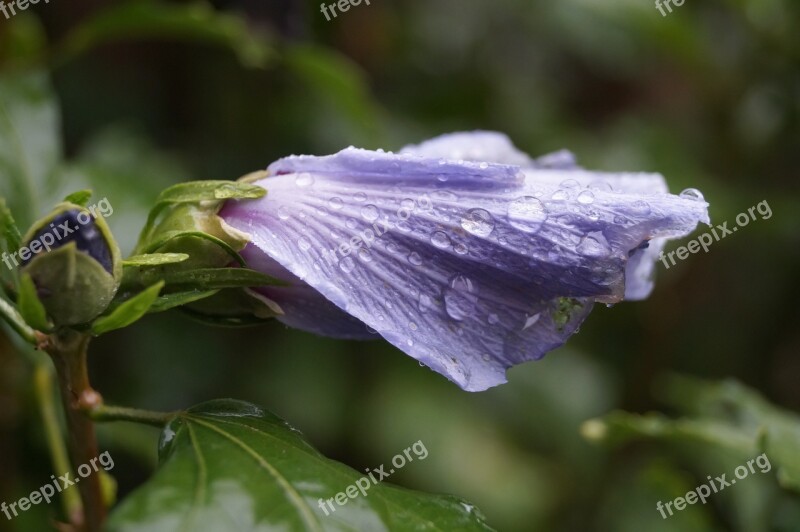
178,299
129,311
155,259
228,465
193,22
29,305
213,278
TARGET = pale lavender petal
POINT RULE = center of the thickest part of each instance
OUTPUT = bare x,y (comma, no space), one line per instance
469,267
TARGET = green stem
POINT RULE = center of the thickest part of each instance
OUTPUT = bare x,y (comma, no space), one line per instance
43,384
15,320
68,351
104,413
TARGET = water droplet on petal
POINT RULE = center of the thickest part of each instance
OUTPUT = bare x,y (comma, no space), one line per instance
283,212
408,204
426,303
692,194
443,177
351,223
640,207
460,297
369,213
601,186
493,319
444,195
360,196
478,222
530,321
336,203
440,240
304,244
483,166
415,259
527,214
347,264
365,255
412,326
570,184
560,195
586,197
304,179
461,249
594,245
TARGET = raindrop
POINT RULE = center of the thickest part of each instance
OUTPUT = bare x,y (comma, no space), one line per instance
304,180
304,244
426,303
594,245
410,342
283,212
527,214
570,184
461,249
351,223
478,222
586,197
483,166
493,319
391,247
408,204
640,207
415,259
443,178
560,195
369,213
601,186
460,297
444,195
412,326
360,196
336,203
440,240
692,194
347,264
365,255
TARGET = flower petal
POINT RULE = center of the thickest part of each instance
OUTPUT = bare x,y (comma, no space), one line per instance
469,267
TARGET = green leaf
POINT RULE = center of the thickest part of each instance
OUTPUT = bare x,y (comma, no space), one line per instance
197,191
155,259
81,197
128,312
228,465
30,149
29,305
171,235
9,231
178,299
192,22
213,278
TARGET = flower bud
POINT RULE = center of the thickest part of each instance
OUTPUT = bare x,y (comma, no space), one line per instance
74,262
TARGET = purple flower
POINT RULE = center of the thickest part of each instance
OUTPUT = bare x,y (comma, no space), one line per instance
462,251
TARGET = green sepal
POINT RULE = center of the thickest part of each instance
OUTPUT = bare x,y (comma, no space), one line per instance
80,197
30,306
129,311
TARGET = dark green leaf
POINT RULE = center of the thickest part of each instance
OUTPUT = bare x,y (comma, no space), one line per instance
180,298
228,465
212,278
128,312
192,22
8,228
155,259
29,305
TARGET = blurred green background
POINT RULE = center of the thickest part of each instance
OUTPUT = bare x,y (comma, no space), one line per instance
141,95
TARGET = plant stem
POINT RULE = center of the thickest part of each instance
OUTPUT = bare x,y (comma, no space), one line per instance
13,318
68,350
119,413
43,383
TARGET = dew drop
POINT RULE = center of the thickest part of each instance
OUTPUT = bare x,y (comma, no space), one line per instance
412,326
493,319
335,203
461,249
283,212
560,195
304,244
460,297
408,204
570,184
351,223
440,240
369,213
426,303
594,245
415,259
601,186
692,194
365,255
640,207
347,264
586,197
478,222
360,196
527,214
444,195
304,179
